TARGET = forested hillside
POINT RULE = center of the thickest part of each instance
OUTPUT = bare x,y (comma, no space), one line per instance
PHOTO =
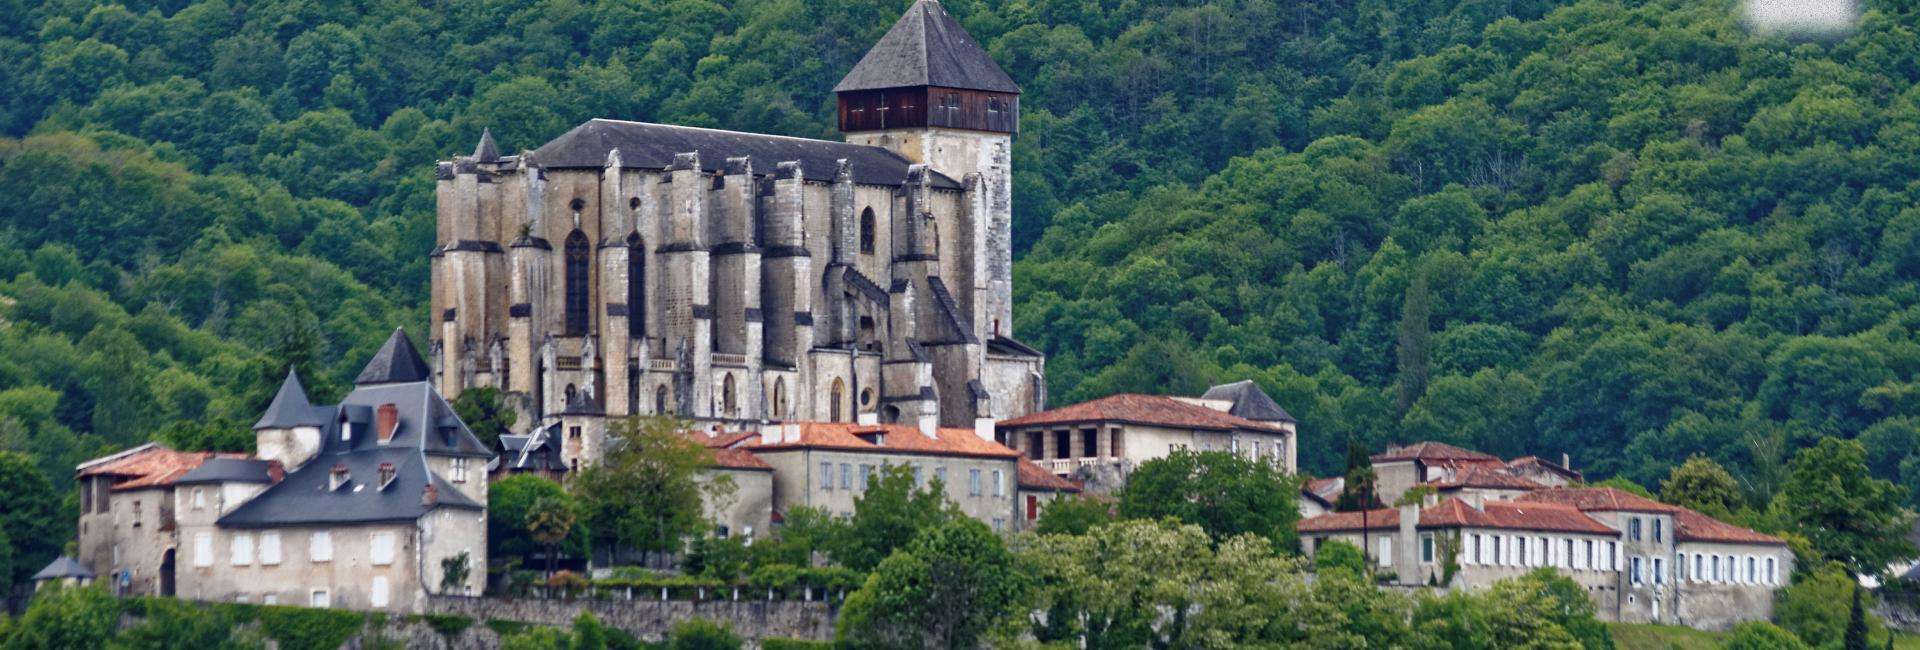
1628,231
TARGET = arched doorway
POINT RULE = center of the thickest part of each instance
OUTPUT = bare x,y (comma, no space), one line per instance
166,573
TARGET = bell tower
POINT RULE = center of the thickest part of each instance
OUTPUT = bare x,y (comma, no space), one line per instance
928,92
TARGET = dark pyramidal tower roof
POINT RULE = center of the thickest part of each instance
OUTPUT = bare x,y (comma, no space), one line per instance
290,407
927,47
397,362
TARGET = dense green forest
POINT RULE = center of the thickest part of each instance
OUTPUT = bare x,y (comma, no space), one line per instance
1629,231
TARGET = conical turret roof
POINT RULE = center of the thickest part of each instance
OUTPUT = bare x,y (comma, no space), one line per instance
927,47
290,407
397,362
487,151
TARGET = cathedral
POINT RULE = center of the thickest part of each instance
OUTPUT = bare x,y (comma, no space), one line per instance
738,279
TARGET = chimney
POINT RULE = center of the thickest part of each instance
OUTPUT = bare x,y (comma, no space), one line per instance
984,428
430,496
387,474
387,420
1566,462
338,478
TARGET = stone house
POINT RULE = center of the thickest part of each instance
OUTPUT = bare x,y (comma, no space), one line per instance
629,268
127,518
1100,442
1640,560
367,504
827,465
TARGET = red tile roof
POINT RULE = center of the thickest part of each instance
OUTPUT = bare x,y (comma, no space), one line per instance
1033,477
1337,522
1511,515
150,466
1599,499
893,439
1691,526
1485,478
1430,451
726,451
1536,461
1454,513
1151,410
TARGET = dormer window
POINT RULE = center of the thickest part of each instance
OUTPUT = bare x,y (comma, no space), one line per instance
338,478
386,422
387,474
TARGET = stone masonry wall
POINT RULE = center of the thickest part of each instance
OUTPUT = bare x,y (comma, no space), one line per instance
652,619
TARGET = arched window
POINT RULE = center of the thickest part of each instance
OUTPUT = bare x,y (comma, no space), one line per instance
866,231
636,286
728,403
660,400
839,397
779,397
573,394
577,292
633,390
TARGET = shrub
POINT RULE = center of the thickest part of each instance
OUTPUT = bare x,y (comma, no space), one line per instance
702,634
793,644
1761,635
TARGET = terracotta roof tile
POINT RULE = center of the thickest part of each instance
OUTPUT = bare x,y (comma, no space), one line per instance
1486,478
728,449
1153,410
887,438
153,466
1512,515
1431,451
1599,499
1034,477
1332,522
1691,526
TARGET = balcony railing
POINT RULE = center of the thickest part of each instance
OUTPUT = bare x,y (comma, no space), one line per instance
1064,465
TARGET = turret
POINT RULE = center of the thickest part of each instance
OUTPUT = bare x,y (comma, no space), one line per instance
289,432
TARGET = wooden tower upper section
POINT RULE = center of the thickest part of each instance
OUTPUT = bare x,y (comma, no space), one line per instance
928,72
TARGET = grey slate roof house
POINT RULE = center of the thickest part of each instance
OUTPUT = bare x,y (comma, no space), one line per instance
361,504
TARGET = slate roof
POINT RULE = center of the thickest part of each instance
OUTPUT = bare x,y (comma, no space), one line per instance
303,498
425,425
233,470
897,439
536,451
63,567
927,47
1151,410
654,146
1032,477
290,407
1431,451
1249,401
998,344
1536,461
397,362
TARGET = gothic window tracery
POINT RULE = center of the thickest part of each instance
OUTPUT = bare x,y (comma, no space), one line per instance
636,286
866,231
577,291
839,397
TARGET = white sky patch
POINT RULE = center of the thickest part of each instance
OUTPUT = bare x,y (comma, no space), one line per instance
1802,16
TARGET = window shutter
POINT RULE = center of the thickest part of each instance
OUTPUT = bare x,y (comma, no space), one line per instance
382,549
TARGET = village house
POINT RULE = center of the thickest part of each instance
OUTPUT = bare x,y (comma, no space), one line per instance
1099,442
827,465
1486,520
374,503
